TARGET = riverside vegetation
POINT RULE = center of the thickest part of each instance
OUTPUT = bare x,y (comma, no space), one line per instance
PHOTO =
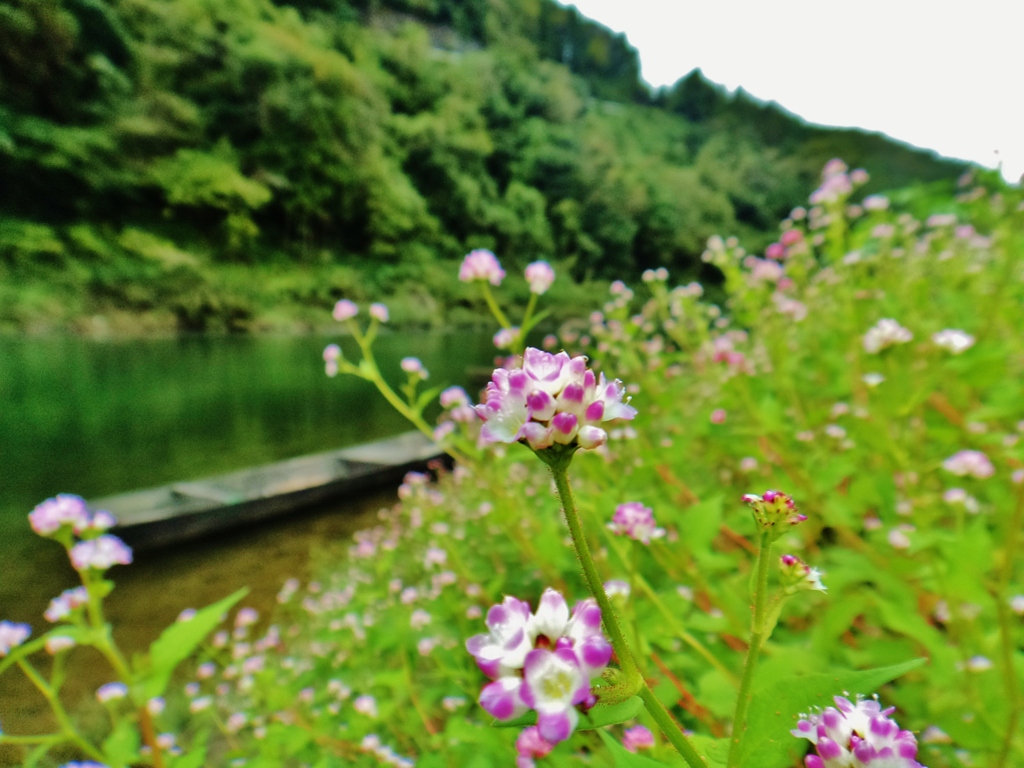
869,363
201,165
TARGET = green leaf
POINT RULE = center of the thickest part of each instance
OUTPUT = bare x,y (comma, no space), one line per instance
623,758
194,758
425,397
527,327
775,708
22,651
530,718
612,714
715,751
180,640
121,747
598,717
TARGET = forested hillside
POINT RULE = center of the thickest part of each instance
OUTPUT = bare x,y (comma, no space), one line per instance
242,165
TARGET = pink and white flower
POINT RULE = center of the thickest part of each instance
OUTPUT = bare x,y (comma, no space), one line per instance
551,399
414,367
531,745
953,340
885,333
773,511
543,661
111,692
860,735
100,553
636,521
454,397
61,606
345,310
972,463
12,634
636,738
65,509
540,276
506,338
379,312
483,265
797,576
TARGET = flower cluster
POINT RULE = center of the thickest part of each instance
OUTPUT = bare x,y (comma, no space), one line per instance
860,735
635,520
885,333
551,399
530,746
797,576
66,517
543,661
100,553
953,341
12,635
636,738
973,463
773,508
65,511
64,604
540,276
483,265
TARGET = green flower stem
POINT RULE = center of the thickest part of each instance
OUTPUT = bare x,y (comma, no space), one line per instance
371,373
68,732
1006,644
47,738
104,643
493,305
674,622
531,305
560,473
758,635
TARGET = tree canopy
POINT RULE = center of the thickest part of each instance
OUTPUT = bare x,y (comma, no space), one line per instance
374,136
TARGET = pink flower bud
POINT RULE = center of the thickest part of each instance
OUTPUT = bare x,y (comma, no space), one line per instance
345,310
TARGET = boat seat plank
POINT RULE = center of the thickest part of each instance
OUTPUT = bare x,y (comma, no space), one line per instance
207,491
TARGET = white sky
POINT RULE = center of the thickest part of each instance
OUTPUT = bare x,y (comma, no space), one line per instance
946,75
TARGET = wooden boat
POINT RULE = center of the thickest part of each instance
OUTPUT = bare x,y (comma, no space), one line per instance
184,511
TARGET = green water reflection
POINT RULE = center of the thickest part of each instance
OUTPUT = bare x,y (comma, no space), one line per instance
96,418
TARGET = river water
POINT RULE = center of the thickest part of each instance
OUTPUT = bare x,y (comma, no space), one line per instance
102,417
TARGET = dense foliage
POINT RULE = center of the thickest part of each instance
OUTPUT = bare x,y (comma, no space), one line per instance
871,367
204,164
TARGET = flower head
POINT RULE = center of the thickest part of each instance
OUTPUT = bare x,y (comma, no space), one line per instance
531,745
345,310
65,509
797,576
953,341
379,312
636,738
543,661
860,735
552,399
885,333
973,463
481,264
540,276
506,338
12,635
773,508
414,367
68,600
635,520
111,692
100,553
